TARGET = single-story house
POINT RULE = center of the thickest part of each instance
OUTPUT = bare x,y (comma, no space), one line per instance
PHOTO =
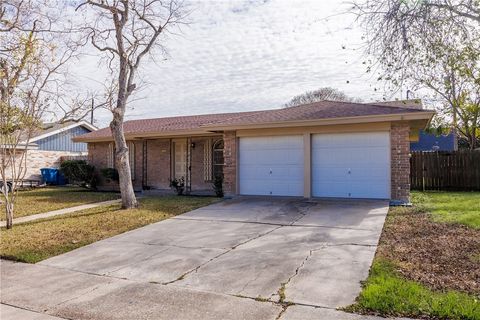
51,143
324,149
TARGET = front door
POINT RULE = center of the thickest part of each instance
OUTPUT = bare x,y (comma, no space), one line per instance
180,158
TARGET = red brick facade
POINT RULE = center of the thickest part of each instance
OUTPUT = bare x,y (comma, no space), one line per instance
400,162
159,162
230,160
158,171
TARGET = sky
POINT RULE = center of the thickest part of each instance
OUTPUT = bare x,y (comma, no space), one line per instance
248,55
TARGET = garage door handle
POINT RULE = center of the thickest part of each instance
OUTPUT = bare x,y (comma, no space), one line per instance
349,171
270,171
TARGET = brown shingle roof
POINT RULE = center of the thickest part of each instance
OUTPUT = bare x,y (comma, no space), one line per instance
313,111
317,111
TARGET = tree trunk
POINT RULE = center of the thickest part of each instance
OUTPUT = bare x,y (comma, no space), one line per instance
9,213
122,161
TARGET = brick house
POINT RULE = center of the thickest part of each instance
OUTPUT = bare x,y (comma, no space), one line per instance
324,149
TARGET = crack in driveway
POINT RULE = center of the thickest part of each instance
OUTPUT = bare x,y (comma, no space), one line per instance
219,255
275,224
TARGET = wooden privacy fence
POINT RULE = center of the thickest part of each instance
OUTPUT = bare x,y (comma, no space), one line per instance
443,170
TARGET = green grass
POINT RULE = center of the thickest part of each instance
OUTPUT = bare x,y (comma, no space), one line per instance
387,293
451,207
42,200
38,240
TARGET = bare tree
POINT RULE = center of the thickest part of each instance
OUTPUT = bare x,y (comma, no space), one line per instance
321,94
432,44
32,60
126,32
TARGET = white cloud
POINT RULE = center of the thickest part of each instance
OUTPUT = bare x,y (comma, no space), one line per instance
246,55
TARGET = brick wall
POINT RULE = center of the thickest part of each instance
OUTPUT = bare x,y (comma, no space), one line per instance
98,154
400,162
230,159
98,157
158,163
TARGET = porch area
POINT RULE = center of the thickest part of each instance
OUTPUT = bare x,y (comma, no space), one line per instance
193,161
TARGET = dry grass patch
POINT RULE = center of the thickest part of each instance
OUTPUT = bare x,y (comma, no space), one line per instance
38,240
427,263
40,200
438,255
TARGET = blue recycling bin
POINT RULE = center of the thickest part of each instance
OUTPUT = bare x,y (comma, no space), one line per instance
52,176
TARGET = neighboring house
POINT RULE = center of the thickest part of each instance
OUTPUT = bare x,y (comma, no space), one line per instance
433,142
324,149
52,142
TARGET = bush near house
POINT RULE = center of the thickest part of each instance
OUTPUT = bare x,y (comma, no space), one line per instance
427,264
79,172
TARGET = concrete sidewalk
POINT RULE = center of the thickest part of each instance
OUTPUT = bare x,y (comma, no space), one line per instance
60,212
36,292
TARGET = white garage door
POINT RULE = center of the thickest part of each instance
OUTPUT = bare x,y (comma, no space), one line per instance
354,165
271,165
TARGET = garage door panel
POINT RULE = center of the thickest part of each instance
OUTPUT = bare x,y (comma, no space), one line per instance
352,141
254,187
336,173
293,188
330,189
362,190
271,165
355,165
250,172
365,174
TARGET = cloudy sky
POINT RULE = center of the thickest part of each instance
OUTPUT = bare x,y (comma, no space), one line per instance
249,55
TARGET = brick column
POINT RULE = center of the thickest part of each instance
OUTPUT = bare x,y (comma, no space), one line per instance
230,161
400,162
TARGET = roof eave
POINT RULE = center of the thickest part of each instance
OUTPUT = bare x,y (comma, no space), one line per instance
156,134
211,129
82,123
427,115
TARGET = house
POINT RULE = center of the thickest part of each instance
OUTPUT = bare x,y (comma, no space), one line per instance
433,142
324,149
52,142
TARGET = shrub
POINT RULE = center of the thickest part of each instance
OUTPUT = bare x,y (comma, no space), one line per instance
110,174
218,185
178,185
79,172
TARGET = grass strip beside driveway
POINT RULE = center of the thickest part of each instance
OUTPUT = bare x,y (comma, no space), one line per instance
427,263
387,293
41,200
42,239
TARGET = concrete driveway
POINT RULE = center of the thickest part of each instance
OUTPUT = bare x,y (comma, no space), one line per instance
237,259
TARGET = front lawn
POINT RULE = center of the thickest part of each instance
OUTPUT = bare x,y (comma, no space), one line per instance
452,207
38,240
40,200
427,263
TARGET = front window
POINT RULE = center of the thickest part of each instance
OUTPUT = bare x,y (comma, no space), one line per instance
218,161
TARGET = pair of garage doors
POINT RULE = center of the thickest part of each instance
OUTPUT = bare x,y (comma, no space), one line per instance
342,165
